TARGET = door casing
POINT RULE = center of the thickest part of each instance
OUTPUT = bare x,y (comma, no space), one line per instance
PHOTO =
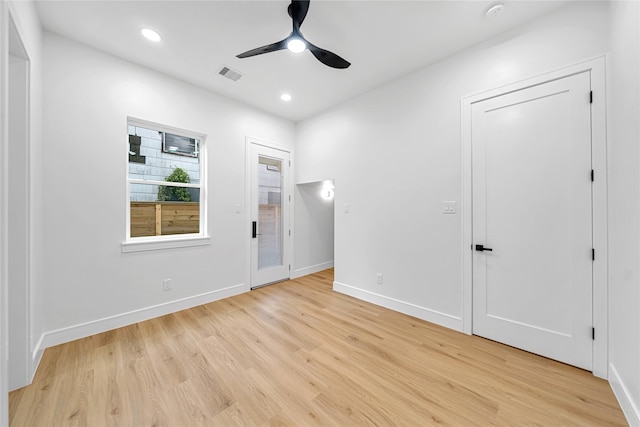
19,215
4,136
596,67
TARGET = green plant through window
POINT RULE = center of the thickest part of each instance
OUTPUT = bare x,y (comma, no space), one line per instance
169,193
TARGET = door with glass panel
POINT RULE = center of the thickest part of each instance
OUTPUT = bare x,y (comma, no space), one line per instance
270,200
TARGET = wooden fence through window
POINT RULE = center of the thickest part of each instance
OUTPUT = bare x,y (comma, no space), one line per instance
164,218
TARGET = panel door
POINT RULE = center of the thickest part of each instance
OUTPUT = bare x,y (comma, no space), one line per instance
532,219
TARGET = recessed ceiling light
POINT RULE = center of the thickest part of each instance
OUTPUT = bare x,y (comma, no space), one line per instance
149,34
285,97
494,11
296,45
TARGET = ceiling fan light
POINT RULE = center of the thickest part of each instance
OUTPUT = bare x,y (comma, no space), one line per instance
296,45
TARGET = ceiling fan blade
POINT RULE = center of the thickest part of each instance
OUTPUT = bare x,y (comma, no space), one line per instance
282,44
328,58
298,11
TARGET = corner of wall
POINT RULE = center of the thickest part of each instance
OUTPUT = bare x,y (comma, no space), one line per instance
625,399
36,357
404,307
311,269
74,332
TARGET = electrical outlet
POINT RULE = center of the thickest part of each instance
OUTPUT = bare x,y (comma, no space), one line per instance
166,284
379,279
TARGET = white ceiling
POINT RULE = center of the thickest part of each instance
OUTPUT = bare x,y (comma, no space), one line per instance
383,40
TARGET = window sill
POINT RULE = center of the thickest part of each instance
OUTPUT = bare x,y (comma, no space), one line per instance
159,243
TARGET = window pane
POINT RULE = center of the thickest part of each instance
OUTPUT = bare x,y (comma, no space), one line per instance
150,159
269,212
150,217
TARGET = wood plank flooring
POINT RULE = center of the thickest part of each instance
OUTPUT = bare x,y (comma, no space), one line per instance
299,354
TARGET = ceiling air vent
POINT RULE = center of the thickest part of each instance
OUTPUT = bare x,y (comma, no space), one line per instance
230,74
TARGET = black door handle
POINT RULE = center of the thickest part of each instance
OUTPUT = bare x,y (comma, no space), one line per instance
481,248
254,232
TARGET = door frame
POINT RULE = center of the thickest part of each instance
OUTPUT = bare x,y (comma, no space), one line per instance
249,141
16,65
19,214
596,67
4,137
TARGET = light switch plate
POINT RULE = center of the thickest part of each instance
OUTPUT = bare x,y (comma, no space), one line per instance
449,207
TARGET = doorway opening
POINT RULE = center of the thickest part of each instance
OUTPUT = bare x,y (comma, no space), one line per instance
315,227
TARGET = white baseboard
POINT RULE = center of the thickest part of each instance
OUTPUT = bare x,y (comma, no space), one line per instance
82,330
625,400
423,313
36,357
311,269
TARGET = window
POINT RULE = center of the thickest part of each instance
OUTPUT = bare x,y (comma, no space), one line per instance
165,187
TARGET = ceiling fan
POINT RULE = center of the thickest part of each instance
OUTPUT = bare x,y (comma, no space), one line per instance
296,43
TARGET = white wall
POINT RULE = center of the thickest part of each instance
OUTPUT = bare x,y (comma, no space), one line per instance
313,239
395,156
88,96
624,206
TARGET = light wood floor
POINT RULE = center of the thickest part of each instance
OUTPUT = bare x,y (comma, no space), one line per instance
298,354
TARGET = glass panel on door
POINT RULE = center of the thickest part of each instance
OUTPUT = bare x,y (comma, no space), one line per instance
269,212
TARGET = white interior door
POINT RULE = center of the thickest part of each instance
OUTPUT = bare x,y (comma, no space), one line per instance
532,213
270,201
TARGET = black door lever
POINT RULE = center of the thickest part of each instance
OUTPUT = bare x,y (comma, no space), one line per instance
481,248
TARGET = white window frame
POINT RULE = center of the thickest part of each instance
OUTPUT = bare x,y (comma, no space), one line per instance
150,243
